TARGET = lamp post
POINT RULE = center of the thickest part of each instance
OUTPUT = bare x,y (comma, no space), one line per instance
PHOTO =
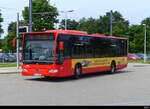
30,15
66,17
111,22
145,56
17,38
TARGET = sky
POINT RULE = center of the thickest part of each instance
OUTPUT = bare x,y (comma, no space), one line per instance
133,10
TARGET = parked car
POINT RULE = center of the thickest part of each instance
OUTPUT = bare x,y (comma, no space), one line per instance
148,56
142,55
1,58
133,57
7,58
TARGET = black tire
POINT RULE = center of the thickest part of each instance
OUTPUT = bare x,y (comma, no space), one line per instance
113,68
77,71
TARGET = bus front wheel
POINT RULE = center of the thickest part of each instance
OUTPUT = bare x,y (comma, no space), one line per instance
77,71
113,68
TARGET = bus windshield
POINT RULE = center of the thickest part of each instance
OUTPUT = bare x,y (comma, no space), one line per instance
38,49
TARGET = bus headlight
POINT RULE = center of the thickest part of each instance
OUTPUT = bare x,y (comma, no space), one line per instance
53,71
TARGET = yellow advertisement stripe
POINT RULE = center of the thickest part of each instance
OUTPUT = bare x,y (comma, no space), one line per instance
99,62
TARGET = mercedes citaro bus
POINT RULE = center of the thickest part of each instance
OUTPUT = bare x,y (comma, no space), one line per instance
63,53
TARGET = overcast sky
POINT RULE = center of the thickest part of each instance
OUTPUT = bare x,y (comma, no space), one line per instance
132,10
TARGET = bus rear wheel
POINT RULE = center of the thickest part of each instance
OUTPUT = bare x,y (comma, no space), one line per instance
77,71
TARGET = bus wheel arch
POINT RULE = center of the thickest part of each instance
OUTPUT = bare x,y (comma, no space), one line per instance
78,70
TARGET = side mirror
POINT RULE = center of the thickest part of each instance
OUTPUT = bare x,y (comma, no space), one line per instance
61,45
14,42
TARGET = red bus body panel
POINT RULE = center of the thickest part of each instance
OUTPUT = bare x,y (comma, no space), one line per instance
63,70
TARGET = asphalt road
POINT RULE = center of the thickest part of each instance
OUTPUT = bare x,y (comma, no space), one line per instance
130,86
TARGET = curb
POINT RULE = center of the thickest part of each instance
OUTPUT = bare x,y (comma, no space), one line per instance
9,70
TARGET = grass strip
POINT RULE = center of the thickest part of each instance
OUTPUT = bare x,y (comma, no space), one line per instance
139,61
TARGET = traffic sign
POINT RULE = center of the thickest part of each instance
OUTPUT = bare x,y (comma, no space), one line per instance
23,29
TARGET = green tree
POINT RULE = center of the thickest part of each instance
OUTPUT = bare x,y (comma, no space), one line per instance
44,15
102,25
120,29
88,25
1,20
7,43
147,22
136,39
120,25
71,24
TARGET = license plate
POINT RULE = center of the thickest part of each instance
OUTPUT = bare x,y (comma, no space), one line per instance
37,74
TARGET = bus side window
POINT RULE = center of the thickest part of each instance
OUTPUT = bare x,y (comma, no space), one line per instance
75,47
114,47
67,45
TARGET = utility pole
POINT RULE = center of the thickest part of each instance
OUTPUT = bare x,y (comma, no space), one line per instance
145,54
66,18
17,33
111,22
30,15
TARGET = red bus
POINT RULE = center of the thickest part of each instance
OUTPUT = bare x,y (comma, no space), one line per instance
62,53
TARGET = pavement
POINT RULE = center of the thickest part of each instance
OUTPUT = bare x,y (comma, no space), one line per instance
9,70
137,64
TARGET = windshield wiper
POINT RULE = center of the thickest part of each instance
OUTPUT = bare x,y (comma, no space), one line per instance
28,61
36,62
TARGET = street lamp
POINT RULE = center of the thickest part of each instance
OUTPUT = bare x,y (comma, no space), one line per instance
145,56
66,17
17,33
111,22
30,15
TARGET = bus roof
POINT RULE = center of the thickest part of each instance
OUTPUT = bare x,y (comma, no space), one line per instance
75,32
68,32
